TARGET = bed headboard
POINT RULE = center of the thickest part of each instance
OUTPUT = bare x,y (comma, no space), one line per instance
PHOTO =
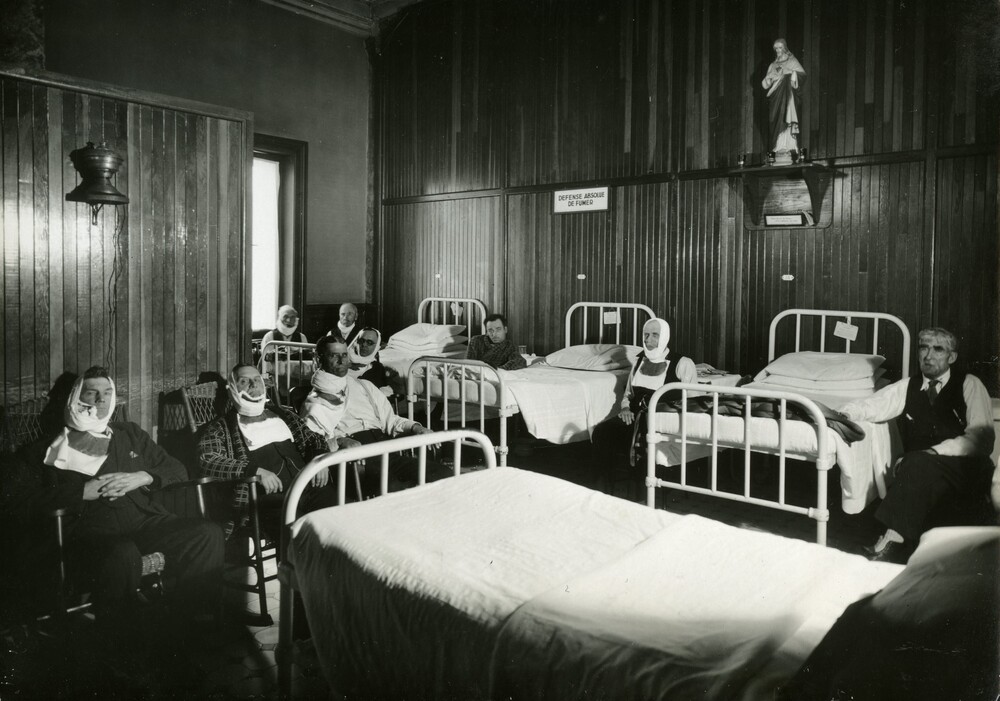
620,315
872,330
454,310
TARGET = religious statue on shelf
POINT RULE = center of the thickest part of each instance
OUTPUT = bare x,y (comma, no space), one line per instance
783,82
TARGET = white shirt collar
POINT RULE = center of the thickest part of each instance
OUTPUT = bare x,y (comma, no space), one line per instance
942,380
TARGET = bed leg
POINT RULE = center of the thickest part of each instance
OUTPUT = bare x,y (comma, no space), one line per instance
284,652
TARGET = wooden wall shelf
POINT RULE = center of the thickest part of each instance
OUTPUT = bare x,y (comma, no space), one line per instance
787,190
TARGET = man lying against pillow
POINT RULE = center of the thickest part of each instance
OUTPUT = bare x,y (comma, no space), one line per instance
494,348
947,432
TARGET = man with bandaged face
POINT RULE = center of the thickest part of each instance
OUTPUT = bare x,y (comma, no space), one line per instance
269,442
102,471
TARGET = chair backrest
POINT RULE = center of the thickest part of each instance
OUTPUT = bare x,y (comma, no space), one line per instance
21,423
203,402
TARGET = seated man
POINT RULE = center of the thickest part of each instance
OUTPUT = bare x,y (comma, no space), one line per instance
272,443
349,412
365,364
947,432
494,348
347,328
102,472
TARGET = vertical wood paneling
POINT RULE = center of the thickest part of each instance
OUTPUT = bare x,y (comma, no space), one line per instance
441,249
663,90
62,308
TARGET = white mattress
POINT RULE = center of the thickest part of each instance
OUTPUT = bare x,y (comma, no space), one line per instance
400,360
557,405
404,593
700,610
863,464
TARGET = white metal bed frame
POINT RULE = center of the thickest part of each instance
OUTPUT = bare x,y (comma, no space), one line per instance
451,310
823,457
283,353
339,460
483,374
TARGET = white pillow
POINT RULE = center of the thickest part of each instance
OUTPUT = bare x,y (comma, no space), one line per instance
594,356
815,385
436,344
830,367
422,333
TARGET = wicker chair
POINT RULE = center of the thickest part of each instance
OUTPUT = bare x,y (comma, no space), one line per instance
21,425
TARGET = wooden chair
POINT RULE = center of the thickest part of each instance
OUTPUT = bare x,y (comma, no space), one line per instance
204,402
22,425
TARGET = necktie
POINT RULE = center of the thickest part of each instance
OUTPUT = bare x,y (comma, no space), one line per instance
932,391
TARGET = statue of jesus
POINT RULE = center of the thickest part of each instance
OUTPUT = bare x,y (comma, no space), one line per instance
783,82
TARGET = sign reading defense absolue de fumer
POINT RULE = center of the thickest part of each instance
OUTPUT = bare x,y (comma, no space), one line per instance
589,200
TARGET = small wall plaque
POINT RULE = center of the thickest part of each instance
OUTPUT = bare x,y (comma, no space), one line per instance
588,200
784,220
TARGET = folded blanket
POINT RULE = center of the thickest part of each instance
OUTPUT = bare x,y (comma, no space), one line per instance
761,407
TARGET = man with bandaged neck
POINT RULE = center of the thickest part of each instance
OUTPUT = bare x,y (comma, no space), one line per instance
269,442
346,412
102,472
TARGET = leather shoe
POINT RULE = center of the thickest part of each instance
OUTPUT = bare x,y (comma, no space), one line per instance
894,552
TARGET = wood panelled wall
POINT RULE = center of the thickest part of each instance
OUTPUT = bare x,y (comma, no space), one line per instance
484,109
155,289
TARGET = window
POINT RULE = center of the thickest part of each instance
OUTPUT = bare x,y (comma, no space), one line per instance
278,241
264,252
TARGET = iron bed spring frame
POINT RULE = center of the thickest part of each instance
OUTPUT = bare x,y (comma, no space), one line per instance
339,460
283,351
824,461
487,374
483,375
823,457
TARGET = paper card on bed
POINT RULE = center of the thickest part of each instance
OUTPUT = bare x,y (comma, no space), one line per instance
849,332
611,317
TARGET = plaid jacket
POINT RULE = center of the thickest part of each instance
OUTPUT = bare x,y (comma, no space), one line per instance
223,454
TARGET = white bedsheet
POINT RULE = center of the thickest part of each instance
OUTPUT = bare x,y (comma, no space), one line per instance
701,610
863,464
400,360
564,406
558,405
404,593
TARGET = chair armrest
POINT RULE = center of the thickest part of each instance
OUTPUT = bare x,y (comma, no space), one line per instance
199,482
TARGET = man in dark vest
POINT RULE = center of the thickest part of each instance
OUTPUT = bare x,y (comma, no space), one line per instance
945,420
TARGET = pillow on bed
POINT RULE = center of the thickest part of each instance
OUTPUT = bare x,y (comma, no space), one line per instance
815,385
929,634
423,333
428,346
591,356
812,365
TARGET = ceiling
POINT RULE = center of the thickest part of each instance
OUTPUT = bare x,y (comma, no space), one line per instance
356,16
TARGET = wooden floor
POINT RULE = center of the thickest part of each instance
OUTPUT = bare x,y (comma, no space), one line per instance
237,661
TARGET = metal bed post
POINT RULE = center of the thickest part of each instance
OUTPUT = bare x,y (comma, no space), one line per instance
340,460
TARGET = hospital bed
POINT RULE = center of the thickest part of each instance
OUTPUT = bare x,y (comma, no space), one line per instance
559,403
439,319
509,584
289,365
285,366
758,417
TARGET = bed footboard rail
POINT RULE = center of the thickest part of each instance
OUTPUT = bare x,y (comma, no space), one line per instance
290,361
824,462
878,319
469,375
454,310
340,460
608,313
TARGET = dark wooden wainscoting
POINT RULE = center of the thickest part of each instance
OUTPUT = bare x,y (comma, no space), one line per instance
156,289
655,99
